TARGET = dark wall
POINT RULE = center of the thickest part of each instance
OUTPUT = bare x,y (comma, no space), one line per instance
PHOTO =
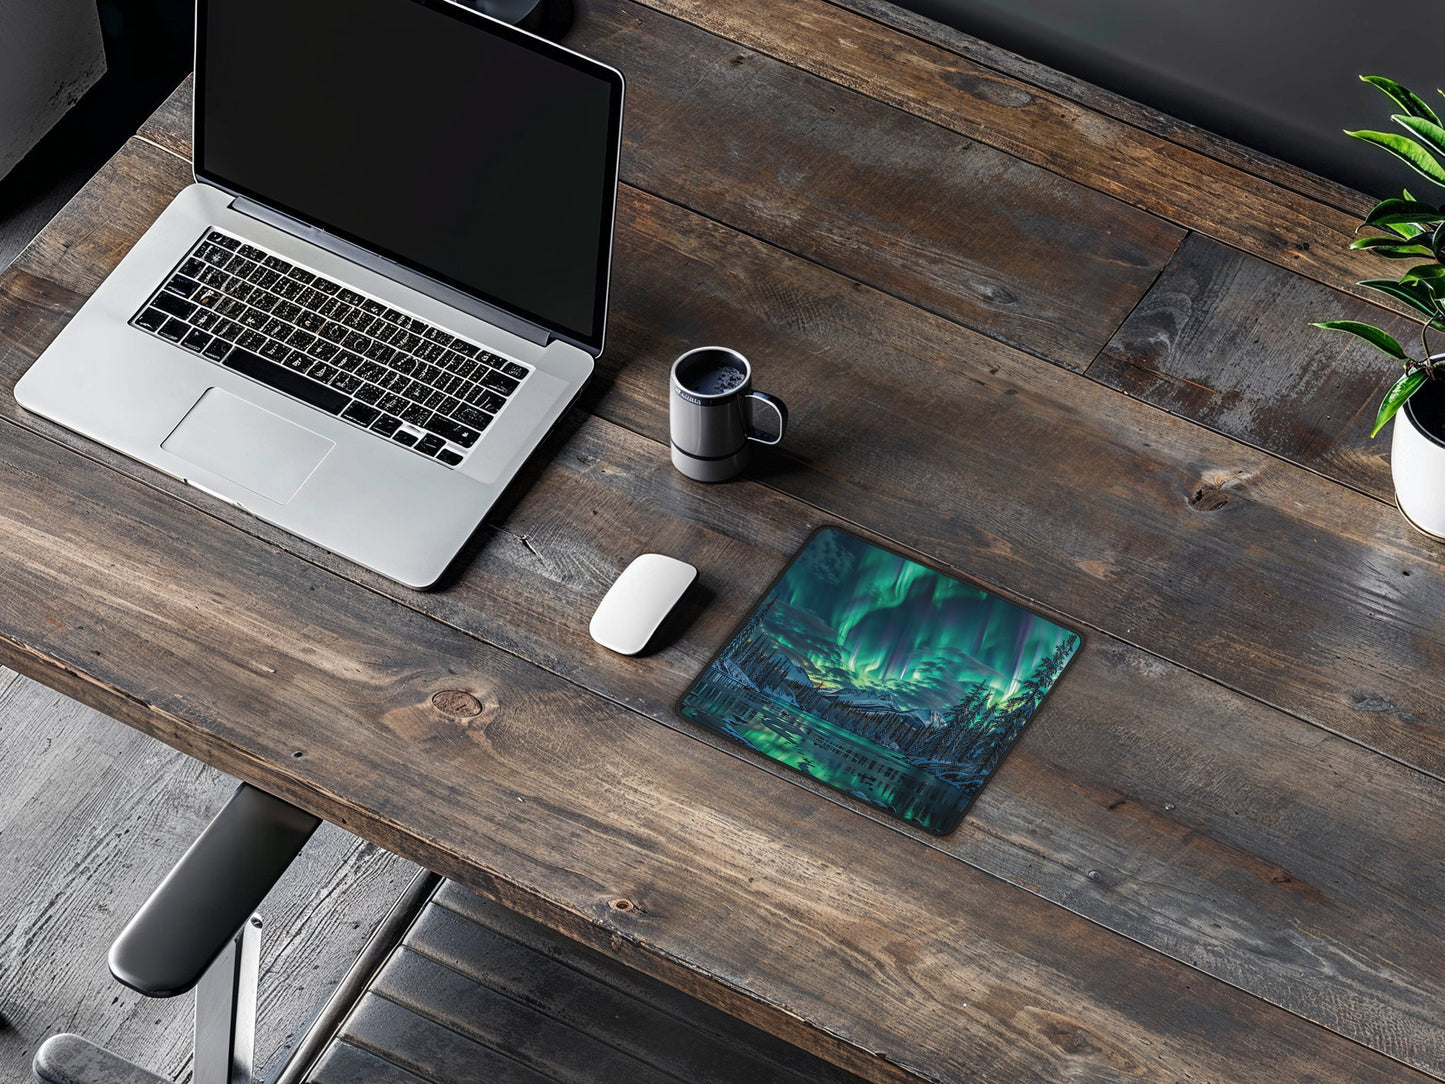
1278,75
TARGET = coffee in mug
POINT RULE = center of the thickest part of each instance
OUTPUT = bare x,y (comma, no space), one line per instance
712,411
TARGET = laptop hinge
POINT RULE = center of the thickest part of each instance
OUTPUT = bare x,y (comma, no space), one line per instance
447,295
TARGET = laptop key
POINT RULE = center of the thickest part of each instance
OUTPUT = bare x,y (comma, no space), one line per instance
347,382
174,330
489,401
276,351
386,425
183,286
360,413
151,319
283,379
217,350
403,437
174,306
369,393
449,457
515,371
196,340
417,415
473,417
429,444
498,382
450,430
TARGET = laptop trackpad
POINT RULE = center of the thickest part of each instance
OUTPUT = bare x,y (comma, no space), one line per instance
247,445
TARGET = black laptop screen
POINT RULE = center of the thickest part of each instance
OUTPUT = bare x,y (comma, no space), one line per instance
451,144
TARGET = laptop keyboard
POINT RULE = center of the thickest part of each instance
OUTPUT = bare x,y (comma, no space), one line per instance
353,356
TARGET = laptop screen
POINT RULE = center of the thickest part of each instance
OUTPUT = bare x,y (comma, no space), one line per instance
456,146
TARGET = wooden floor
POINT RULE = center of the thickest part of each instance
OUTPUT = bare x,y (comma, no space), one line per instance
92,814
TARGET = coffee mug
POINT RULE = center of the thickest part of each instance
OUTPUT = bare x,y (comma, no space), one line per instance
712,408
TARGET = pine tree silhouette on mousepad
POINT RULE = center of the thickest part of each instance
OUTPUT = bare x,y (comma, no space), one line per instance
882,677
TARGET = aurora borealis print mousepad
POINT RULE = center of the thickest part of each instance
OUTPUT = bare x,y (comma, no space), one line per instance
882,677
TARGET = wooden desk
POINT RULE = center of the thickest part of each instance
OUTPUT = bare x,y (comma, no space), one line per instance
1027,331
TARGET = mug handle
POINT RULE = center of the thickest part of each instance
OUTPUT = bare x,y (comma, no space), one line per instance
778,408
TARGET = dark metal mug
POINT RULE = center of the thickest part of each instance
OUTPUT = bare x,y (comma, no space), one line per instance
712,410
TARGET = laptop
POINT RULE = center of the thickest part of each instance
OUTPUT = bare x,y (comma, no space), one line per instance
386,285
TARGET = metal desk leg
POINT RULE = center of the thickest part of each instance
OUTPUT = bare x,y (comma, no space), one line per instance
226,1011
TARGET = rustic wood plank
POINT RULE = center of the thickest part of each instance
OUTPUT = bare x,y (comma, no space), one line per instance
565,565
1035,125
598,997
92,815
561,805
1098,100
1223,339
881,195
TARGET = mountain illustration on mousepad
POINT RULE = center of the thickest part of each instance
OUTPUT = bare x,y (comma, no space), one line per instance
882,677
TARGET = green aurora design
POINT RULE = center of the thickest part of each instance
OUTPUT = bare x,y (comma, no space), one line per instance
883,678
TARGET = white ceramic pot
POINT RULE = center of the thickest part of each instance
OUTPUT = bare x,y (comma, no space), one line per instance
1417,459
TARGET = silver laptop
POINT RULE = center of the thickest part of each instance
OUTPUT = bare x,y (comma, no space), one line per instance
387,284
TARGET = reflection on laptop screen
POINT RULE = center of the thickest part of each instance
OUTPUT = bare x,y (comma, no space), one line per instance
468,152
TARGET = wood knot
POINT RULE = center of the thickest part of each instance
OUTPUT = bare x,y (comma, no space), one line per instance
456,703
1208,499
622,905
1211,494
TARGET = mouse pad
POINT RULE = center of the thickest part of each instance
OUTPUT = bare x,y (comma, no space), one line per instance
882,677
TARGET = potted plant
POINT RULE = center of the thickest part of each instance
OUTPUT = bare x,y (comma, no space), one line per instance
1413,230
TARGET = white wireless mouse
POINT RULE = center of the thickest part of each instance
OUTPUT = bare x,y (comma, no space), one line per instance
637,602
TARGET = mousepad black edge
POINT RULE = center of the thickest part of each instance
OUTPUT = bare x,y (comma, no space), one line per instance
786,684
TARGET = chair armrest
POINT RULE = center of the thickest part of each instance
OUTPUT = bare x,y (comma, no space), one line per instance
200,906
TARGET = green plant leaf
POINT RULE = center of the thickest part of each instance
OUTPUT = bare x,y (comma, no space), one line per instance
1371,334
1407,150
1430,274
1405,98
1437,241
1428,132
1395,398
1392,212
1394,248
1415,294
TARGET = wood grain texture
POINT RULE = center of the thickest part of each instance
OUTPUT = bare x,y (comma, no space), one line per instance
612,485
876,193
1098,100
562,804
1178,183
1223,339
92,815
